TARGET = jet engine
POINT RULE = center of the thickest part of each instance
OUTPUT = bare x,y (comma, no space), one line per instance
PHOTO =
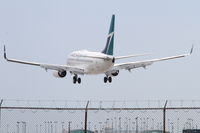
113,73
59,74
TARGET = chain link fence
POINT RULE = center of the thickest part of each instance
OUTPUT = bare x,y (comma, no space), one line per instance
36,116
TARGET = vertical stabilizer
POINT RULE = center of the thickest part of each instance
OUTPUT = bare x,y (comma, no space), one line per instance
110,39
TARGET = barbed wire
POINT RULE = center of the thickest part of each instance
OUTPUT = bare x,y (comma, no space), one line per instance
100,104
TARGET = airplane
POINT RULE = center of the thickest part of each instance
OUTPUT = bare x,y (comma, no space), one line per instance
86,62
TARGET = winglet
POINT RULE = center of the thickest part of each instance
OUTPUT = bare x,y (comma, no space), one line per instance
191,49
5,52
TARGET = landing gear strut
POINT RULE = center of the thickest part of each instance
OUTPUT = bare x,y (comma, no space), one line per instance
76,79
109,79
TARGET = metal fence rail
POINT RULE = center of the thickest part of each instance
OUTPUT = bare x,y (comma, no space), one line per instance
39,118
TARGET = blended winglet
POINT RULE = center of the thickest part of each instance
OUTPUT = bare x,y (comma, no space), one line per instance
5,52
192,49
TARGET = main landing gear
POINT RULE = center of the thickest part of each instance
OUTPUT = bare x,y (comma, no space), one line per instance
76,79
109,79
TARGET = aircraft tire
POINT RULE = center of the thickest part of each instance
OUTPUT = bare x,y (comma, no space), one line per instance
105,79
110,79
74,79
79,80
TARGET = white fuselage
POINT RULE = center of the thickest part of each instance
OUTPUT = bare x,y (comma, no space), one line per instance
90,62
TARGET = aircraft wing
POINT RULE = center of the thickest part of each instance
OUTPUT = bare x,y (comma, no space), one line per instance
72,69
137,64
47,66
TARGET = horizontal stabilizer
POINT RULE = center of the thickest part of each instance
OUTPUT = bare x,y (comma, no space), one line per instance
129,56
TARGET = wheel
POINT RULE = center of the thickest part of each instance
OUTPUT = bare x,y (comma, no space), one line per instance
105,79
74,79
110,79
79,80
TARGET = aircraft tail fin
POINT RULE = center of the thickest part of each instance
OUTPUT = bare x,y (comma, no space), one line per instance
110,39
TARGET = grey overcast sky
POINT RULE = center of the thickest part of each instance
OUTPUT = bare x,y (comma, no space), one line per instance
47,31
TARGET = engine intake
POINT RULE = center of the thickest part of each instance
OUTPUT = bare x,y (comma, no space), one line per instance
60,74
112,73
115,73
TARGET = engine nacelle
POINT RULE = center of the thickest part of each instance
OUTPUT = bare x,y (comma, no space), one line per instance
112,73
59,74
115,73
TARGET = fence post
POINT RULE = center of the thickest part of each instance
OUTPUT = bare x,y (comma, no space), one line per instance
164,115
69,126
86,109
136,124
0,113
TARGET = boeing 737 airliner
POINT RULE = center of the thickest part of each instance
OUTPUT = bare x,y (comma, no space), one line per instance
87,62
